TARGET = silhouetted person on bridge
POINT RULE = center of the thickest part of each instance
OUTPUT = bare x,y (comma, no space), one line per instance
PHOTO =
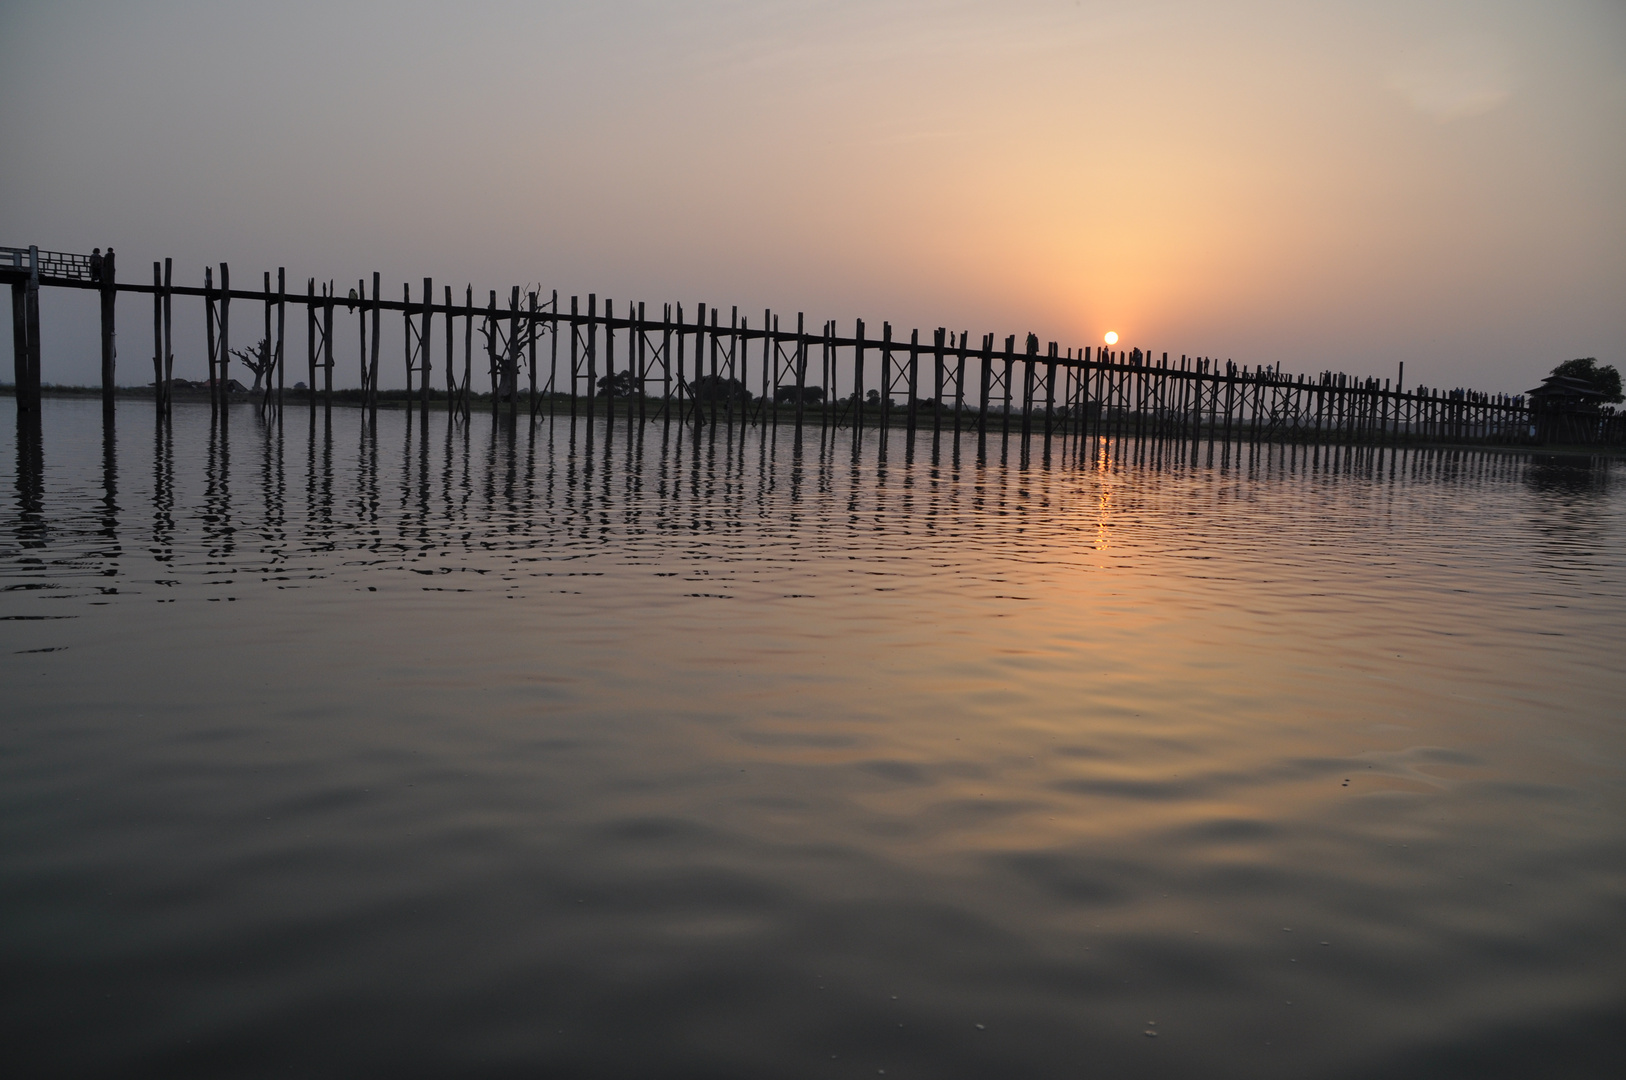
96,265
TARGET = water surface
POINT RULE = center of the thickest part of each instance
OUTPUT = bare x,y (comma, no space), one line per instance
491,751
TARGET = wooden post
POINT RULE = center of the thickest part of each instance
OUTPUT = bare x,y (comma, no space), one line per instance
225,339
169,339
426,345
937,380
573,358
642,383
468,349
801,370
592,352
1028,358
886,380
858,379
268,357
494,364
19,342
310,340
1010,370
327,348
987,384
451,353
697,404
31,313
372,364
714,380
914,379
109,297
733,363
1049,394
666,363
158,336
553,354
282,310
510,355
530,342
209,335
361,324
609,366
959,383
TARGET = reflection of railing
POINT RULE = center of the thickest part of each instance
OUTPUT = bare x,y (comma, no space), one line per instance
52,264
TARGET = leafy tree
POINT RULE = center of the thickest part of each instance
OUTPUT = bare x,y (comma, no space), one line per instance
619,384
720,388
1605,379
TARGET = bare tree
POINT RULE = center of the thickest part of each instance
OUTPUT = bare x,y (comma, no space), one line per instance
258,359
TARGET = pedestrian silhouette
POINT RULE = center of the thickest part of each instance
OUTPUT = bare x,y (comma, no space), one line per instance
96,265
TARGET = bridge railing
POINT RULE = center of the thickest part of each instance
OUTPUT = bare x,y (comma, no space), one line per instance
52,264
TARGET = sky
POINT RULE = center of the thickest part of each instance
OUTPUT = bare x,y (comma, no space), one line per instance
1337,185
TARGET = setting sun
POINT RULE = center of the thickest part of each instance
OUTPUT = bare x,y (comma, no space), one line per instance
1112,337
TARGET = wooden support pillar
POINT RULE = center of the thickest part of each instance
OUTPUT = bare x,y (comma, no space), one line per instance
510,356
714,375
19,343
987,384
573,358
361,324
426,345
310,341
372,362
937,380
642,382
327,349
1010,370
858,379
493,362
282,325
959,382
801,370
468,349
914,379
886,380
169,339
530,343
592,351
158,336
267,373
209,336
406,338
31,316
1049,394
225,338
609,364
109,297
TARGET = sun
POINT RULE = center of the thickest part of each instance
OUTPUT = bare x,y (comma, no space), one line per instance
1112,337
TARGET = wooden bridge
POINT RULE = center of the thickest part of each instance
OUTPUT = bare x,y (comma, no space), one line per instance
702,370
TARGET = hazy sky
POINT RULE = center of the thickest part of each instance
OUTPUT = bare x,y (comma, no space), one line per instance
1342,184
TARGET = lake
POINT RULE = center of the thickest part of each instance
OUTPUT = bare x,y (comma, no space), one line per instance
479,750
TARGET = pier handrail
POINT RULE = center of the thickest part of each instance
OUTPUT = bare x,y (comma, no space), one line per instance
62,265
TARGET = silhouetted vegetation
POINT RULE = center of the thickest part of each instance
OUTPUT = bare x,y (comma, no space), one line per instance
719,388
1604,379
259,358
620,384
